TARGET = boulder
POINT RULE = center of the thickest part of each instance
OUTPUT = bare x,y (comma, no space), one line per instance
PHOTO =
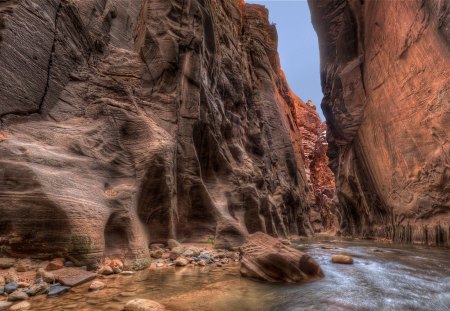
21,306
191,252
173,243
143,305
73,276
343,259
268,259
18,295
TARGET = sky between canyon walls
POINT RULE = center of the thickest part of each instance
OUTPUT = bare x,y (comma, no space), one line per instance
298,47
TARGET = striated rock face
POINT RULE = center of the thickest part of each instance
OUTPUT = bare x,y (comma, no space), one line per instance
323,213
385,76
128,122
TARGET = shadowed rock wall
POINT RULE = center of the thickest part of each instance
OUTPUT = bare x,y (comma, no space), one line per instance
128,122
385,68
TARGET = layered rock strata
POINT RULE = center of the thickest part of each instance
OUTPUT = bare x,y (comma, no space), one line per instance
128,122
385,68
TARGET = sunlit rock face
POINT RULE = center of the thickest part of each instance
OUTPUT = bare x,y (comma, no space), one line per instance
129,122
385,76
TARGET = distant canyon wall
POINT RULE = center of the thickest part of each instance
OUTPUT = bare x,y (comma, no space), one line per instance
130,122
385,68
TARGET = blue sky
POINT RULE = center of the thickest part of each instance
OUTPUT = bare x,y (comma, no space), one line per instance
298,47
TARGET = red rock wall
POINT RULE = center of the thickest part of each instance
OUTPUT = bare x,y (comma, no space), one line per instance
124,122
385,76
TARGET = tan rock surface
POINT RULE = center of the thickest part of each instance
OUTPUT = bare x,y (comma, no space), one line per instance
385,76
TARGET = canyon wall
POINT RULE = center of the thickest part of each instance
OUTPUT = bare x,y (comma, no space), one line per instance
130,122
385,68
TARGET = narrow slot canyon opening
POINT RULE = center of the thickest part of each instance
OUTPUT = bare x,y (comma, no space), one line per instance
299,59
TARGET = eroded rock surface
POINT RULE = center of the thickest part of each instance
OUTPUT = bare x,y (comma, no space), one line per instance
129,122
268,259
385,76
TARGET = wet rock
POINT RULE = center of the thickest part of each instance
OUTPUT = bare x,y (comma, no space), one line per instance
266,258
143,305
55,264
343,259
37,289
176,252
173,243
181,262
157,246
105,270
11,287
6,263
206,258
46,276
4,305
191,252
57,289
97,285
201,263
21,306
17,295
157,254
73,276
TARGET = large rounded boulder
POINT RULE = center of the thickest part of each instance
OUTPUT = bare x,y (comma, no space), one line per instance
268,259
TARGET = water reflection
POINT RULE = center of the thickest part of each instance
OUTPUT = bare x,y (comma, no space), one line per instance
381,278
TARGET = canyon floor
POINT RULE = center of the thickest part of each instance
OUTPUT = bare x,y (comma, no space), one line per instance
383,276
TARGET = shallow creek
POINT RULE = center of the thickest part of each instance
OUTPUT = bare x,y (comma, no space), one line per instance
383,277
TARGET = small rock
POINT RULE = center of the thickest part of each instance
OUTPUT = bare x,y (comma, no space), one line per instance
55,264
127,272
116,263
23,284
159,264
21,306
46,276
206,258
176,252
156,246
219,264
202,263
69,264
4,305
6,263
37,289
2,281
105,270
157,254
11,287
116,270
23,266
18,295
181,262
173,243
143,305
97,285
342,259
191,252
57,289
286,242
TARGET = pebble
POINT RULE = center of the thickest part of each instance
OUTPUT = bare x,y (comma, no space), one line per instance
143,305
21,306
97,285
18,295
181,262
11,287
127,272
57,289
55,264
343,259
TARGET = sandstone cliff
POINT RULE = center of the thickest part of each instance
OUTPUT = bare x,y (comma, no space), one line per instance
385,76
128,122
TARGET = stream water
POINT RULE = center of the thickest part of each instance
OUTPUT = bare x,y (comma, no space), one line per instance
383,277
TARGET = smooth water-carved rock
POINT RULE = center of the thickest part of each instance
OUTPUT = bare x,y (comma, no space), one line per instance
267,258
129,123
385,68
